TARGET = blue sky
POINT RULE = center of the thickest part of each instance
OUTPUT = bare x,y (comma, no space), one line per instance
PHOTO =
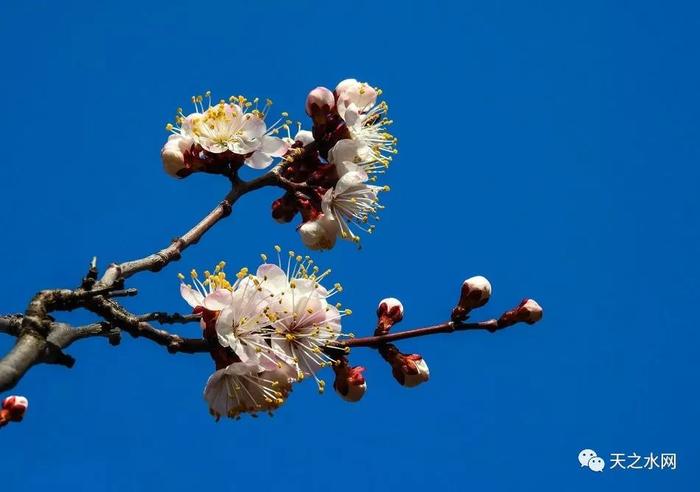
549,146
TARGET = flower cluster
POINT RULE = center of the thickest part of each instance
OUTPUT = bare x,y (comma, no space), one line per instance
337,195
329,174
225,135
266,331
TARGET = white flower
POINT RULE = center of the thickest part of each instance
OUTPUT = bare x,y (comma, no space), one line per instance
303,320
354,96
174,154
242,388
348,155
232,127
365,119
305,325
352,201
244,327
277,323
320,233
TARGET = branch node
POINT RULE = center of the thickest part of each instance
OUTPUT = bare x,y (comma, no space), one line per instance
54,355
174,346
91,277
123,293
226,208
115,337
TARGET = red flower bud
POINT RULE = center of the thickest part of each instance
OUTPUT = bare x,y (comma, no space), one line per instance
13,409
389,312
349,382
408,369
319,103
528,311
284,209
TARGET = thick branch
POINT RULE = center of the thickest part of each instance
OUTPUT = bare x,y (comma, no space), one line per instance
63,335
26,352
11,324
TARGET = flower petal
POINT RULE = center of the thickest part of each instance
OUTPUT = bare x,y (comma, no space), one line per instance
274,146
191,296
217,300
350,180
272,277
259,160
253,127
304,136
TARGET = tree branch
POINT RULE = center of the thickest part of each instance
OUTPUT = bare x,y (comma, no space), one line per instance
11,324
491,325
35,325
173,251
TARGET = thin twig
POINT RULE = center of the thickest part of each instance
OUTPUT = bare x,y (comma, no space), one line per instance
170,318
448,327
173,251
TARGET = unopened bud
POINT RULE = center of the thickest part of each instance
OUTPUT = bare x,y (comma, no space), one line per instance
284,209
475,292
319,103
415,371
408,369
13,409
389,312
175,154
320,233
528,311
349,382
304,136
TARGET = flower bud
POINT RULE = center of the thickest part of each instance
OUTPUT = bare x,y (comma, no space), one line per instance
389,312
284,209
528,311
13,409
304,136
415,371
320,233
475,292
349,382
319,103
408,369
175,155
